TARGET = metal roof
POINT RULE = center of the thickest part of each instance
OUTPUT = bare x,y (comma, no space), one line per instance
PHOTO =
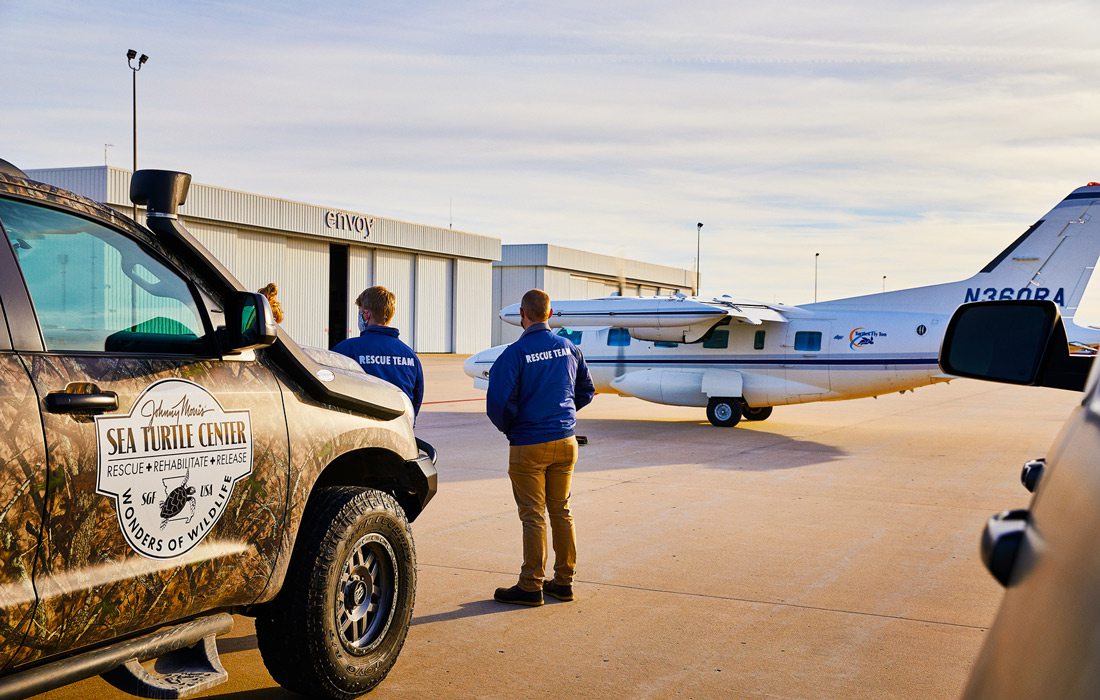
572,259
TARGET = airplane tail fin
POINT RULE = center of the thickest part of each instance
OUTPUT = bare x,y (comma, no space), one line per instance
1054,259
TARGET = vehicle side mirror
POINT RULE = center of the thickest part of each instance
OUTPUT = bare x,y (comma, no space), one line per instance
1013,342
249,323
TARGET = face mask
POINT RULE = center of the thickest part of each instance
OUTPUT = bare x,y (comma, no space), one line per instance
362,323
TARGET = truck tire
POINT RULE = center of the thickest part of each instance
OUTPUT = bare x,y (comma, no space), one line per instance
338,624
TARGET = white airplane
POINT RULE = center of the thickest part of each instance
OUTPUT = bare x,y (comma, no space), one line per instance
740,358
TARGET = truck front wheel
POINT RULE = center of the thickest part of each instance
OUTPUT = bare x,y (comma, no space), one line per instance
338,624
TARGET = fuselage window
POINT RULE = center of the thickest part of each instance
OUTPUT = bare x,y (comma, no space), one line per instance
718,340
758,341
571,335
618,337
809,341
666,344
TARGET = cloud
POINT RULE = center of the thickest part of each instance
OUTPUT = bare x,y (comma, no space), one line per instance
911,140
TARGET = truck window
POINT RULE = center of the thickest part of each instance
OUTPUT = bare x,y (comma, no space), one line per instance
95,290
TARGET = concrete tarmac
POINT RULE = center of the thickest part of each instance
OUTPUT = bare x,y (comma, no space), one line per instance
828,552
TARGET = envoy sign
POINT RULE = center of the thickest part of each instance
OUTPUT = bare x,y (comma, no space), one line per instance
342,221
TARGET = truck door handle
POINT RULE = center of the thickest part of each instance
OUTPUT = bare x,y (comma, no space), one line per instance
1001,540
80,397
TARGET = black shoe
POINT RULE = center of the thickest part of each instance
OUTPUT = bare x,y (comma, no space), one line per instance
561,591
517,596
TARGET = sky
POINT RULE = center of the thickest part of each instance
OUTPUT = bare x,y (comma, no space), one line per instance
907,140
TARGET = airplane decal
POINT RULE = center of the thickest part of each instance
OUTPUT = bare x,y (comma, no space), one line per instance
736,357
991,294
860,338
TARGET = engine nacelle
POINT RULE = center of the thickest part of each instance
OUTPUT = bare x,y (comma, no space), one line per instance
677,387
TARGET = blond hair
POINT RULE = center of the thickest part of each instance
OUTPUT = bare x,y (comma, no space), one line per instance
380,301
272,293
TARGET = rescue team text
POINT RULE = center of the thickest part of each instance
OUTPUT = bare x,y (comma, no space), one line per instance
182,436
546,355
387,360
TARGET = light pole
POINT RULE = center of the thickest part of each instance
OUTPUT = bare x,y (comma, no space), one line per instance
698,237
884,284
816,256
130,56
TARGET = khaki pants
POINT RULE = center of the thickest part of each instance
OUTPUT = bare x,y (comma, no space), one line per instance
541,475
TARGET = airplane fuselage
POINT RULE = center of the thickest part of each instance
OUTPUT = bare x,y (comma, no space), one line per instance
827,356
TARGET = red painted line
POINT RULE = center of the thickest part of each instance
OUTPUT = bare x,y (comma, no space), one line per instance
425,403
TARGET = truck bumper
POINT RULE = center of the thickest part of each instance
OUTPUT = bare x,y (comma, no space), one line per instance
419,476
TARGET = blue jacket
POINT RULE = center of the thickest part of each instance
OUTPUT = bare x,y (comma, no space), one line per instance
536,387
381,353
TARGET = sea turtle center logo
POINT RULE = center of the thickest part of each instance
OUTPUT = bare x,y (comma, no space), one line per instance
171,465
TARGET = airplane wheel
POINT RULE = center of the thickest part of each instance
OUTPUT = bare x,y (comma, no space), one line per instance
761,413
724,413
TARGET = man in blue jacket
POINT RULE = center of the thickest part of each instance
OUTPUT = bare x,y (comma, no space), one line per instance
379,350
536,387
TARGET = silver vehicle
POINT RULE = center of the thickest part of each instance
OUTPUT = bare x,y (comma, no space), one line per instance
1045,641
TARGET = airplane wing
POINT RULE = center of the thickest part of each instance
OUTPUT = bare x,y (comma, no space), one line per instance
670,318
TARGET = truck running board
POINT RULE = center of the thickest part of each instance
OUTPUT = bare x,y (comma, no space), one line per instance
186,662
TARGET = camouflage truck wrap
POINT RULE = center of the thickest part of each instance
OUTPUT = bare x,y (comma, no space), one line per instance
168,454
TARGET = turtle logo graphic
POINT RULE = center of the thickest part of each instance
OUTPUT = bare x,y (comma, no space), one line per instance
177,498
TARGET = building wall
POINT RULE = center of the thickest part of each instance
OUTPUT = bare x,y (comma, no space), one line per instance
395,271
434,303
442,277
514,282
473,320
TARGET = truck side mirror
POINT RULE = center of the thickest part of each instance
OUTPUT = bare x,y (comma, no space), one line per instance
1014,342
249,323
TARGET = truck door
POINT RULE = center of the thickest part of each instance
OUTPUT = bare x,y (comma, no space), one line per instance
167,466
22,488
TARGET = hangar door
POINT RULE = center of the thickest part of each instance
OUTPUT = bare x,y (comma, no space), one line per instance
434,304
394,271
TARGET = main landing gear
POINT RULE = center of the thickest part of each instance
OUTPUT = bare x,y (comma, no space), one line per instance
728,412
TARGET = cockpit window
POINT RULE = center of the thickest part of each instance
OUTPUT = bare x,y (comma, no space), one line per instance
618,337
571,335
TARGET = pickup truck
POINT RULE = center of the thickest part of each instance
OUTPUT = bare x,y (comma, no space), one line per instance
169,456
1045,640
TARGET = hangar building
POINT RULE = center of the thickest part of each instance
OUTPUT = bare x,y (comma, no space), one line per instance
321,258
449,284
568,273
